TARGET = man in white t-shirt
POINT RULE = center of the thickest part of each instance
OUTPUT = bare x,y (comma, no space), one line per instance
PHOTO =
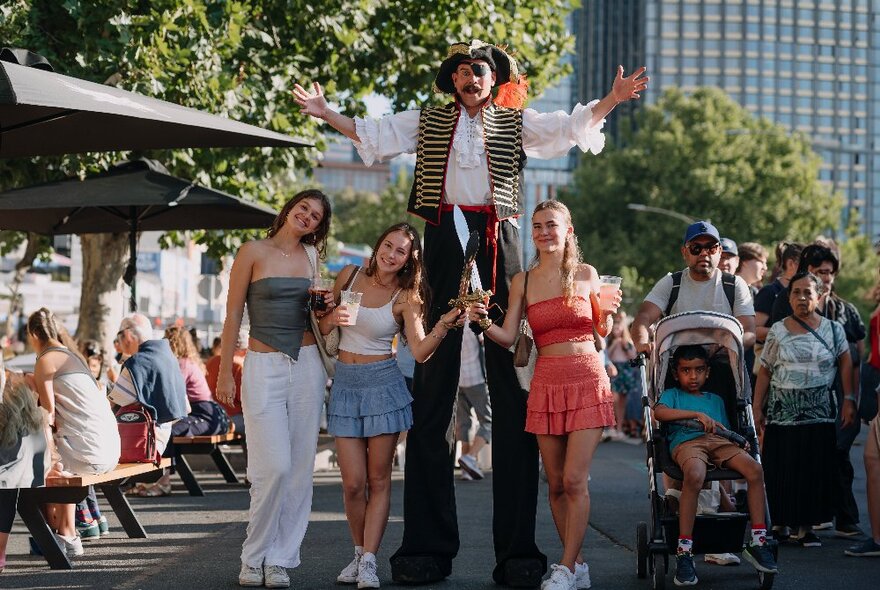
702,287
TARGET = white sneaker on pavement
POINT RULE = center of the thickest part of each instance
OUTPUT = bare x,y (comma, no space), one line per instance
250,576
469,464
72,547
582,576
561,578
275,576
721,558
367,576
349,574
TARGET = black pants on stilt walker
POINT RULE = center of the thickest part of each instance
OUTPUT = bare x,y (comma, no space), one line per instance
430,538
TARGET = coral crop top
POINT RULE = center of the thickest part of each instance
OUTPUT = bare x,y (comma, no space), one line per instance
552,321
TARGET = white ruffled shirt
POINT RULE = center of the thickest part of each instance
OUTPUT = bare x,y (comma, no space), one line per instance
545,136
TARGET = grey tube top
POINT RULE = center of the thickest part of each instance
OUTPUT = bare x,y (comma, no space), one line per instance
278,311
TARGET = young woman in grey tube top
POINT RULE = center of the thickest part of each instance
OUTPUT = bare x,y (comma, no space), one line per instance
283,383
370,404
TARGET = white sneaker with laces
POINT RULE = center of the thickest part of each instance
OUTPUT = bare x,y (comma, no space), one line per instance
721,558
367,576
275,576
561,578
582,576
72,547
349,574
250,576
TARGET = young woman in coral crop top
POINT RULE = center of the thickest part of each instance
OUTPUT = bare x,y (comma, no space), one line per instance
570,399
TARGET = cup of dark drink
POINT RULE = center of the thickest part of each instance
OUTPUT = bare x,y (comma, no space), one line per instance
318,292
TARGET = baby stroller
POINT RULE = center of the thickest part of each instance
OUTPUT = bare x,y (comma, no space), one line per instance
713,533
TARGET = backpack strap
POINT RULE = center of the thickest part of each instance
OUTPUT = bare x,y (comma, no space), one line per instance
728,283
673,294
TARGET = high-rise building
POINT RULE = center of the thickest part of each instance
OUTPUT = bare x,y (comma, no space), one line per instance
811,65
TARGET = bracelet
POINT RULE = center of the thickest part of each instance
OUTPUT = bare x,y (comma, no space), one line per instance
433,334
851,398
481,326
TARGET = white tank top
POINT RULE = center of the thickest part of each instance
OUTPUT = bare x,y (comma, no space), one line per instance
374,331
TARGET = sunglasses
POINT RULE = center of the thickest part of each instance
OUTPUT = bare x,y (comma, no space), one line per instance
710,249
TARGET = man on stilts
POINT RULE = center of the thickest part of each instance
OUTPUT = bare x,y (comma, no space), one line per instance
469,156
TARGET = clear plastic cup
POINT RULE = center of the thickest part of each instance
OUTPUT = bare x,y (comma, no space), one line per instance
608,288
352,302
317,292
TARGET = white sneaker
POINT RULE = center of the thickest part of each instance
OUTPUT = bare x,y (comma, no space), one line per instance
561,578
721,558
250,576
823,526
465,476
469,464
582,576
349,574
72,547
276,577
366,576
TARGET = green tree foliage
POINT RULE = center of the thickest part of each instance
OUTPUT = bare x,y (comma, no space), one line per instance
360,218
706,157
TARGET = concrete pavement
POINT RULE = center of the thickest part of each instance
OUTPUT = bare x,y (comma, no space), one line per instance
195,542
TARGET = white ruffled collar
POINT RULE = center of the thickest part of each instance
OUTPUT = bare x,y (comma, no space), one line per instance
468,142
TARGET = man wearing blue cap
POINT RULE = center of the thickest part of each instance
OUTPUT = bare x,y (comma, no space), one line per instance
699,287
702,286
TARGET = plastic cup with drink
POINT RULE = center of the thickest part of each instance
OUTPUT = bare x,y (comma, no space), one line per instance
608,288
318,291
352,302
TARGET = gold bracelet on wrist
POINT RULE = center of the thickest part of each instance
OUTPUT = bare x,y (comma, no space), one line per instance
434,334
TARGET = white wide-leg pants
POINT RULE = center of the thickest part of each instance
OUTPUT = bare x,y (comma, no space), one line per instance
282,401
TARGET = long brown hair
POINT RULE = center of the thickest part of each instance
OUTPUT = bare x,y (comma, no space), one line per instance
318,239
182,344
19,414
44,326
412,276
571,254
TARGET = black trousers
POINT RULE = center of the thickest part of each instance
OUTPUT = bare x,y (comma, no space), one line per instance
8,504
430,521
846,508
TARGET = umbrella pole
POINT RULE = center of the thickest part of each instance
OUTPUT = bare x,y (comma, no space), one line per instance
132,260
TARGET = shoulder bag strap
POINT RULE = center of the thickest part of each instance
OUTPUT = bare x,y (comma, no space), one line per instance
806,327
524,302
728,283
351,278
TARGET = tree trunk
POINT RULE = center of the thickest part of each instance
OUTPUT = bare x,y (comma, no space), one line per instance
104,257
21,268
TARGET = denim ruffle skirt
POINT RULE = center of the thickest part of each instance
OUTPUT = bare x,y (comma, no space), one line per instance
369,400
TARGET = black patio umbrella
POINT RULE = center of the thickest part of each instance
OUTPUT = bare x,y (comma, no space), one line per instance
132,196
43,113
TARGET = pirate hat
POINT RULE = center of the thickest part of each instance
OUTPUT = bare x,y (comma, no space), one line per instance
499,61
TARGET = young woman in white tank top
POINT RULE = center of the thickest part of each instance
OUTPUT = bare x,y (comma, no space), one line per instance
369,403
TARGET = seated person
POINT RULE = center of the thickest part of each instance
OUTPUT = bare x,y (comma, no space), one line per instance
696,450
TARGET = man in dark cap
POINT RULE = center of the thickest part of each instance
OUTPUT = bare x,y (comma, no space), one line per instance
469,155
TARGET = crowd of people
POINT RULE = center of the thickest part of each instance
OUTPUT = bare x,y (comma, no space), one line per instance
271,384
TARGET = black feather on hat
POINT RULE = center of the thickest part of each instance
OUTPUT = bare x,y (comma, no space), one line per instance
499,61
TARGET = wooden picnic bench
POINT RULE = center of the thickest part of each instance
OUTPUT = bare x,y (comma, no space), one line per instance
70,490
204,445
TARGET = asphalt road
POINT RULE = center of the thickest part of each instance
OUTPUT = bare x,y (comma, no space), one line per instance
195,542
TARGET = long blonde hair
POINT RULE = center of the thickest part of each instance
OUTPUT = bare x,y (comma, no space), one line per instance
182,344
571,254
626,337
19,414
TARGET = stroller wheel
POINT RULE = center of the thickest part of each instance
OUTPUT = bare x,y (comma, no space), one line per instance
765,580
642,550
659,578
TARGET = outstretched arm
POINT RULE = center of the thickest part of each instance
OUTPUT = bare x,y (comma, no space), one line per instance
622,90
313,103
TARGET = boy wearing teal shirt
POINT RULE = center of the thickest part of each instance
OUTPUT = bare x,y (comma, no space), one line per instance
695,450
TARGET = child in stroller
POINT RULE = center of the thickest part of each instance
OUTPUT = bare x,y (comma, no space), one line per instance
696,447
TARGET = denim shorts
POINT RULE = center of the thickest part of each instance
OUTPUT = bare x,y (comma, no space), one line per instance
369,400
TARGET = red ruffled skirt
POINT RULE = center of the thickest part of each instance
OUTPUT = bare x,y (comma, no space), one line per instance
569,393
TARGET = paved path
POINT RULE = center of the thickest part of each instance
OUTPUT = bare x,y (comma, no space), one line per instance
195,542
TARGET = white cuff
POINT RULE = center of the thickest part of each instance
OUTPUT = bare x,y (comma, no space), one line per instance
367,130
588,137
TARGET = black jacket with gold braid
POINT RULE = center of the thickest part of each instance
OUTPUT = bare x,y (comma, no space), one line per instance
502,127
